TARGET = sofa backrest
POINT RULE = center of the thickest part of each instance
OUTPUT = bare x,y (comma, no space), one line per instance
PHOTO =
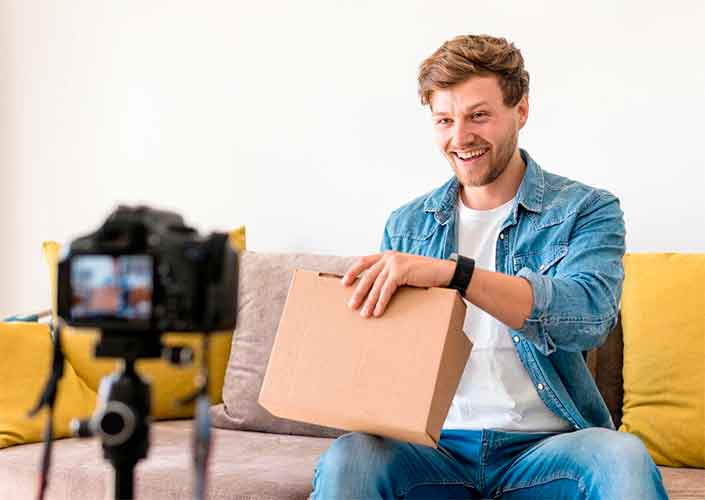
605,363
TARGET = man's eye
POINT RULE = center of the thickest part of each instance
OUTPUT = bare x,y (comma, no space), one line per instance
481,114
443,121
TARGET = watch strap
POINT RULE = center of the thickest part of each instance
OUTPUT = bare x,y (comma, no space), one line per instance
464,268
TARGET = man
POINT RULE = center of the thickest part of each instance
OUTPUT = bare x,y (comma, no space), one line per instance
538,258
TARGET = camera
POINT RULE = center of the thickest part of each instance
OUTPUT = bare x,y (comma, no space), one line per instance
141,274
145,271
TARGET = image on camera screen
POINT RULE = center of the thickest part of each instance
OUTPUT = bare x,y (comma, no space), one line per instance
104,286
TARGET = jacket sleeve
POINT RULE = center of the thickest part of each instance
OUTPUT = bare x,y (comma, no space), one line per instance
386,243
575,309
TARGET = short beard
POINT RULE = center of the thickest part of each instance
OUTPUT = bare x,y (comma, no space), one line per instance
504,156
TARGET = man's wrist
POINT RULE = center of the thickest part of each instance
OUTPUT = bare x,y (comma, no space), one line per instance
447,268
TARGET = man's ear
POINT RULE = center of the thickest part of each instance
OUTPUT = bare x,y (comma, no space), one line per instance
523,109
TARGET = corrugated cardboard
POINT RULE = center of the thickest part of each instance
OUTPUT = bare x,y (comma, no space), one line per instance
393,375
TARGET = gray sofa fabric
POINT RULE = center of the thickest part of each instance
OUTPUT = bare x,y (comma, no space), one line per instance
263,282
243,466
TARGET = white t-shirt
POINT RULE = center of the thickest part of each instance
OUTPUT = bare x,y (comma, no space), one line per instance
495,391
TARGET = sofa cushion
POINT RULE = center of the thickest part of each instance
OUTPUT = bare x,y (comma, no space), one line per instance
169,383
664,366
264,280
243,466
26,362
683,484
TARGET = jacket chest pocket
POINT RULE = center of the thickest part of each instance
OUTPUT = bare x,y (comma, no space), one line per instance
541,261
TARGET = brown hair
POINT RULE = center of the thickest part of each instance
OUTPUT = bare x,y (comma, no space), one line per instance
464,56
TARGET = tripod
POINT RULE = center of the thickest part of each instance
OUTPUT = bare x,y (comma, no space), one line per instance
122,424
121,420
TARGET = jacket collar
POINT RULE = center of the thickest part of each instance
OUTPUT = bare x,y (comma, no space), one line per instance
443,201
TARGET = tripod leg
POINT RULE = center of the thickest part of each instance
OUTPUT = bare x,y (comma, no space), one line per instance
124,481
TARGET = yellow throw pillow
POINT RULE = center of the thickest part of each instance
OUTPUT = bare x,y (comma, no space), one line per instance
27,352
169,383
663,321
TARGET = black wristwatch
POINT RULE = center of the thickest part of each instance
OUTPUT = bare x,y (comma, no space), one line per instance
464,267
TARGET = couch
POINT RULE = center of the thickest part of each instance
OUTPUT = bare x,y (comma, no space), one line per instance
250,465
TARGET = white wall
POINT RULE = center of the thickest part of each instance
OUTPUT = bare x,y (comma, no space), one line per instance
300,119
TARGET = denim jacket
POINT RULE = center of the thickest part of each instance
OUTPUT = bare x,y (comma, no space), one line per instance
567,240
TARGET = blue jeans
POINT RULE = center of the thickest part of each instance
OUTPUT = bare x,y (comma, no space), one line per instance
594,463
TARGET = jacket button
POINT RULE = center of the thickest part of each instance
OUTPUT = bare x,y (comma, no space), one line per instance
540,387
516,339
501,236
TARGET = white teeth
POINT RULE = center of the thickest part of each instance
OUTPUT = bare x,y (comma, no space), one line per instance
470,154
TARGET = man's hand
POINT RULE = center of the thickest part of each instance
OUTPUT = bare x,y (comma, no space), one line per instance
385,272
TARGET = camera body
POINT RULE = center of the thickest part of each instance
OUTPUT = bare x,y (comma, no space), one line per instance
144,271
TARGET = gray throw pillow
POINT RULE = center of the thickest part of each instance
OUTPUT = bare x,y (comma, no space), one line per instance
263,284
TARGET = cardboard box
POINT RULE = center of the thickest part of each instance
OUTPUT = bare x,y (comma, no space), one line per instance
393,375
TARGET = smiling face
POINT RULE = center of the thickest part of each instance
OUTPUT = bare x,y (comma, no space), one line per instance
475,130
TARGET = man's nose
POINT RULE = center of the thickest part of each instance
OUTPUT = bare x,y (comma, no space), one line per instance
462,134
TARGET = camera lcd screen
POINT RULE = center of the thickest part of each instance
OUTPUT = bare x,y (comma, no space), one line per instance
115,287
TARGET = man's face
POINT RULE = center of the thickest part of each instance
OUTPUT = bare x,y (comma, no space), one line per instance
475,131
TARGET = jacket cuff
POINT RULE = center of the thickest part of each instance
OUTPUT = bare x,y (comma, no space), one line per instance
534,328
543,292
